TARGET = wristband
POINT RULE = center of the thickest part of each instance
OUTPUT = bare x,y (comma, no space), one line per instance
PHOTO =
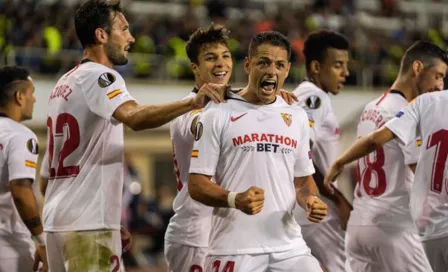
39,239
231,199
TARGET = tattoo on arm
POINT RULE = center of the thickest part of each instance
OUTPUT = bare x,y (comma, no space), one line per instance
32,223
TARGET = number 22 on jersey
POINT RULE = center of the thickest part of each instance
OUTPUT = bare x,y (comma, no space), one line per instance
66,130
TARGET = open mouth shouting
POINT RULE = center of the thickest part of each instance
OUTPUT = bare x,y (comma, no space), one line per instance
268,86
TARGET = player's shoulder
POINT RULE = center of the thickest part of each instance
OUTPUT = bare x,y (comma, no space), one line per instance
294,110
96,72
17,133
387,103
432,97
311,96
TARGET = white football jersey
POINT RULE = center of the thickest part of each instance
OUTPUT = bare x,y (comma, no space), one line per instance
18,160
384,177
324,135
427,117
85,150
191,222
244,145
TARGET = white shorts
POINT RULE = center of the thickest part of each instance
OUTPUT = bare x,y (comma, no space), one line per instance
86,251
373,249
16,253
437,253
184,258
326,241
291,260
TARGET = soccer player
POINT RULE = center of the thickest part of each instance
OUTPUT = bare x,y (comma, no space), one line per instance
186,238
381,231
187,235
326,58
85,143
425,117
257,149
20,222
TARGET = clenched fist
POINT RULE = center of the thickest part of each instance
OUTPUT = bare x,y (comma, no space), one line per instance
251,201
316,209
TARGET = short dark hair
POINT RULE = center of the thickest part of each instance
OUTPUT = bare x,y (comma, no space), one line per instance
270,37
317,43
94,14
9,75
425,52
213,34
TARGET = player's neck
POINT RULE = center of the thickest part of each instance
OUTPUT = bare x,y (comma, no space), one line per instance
96,54
11,113
404,86
315,82
249,95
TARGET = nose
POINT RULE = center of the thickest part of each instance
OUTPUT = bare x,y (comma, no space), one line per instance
346,71
131,39
271,69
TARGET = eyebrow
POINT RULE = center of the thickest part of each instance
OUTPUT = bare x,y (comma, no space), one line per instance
213,53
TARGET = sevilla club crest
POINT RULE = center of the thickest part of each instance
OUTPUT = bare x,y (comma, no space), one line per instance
287,118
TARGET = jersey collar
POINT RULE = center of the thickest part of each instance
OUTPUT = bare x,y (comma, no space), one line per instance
4,115
397,92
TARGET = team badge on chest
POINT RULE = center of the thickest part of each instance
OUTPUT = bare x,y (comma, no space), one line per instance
287,118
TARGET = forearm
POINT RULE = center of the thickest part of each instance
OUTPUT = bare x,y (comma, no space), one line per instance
146,117
208,193
305,187
26,205
336,197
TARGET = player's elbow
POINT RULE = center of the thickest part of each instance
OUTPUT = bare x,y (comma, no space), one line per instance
374,141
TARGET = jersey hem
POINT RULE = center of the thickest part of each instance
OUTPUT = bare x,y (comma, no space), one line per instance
93,227
184,243
293,245
433,236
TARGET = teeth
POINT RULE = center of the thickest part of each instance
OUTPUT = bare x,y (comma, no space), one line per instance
220,73
270,81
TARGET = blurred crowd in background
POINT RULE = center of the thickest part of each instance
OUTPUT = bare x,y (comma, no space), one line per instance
41,35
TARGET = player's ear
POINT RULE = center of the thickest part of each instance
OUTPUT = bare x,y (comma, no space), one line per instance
315,67
19,97
101,35
195,68
417,67
247,65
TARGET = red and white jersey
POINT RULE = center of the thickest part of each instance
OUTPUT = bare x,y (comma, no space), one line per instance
85,150
244,145
427,117
384,177
324,135
18,160
191,222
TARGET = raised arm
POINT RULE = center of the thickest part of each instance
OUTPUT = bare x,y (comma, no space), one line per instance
139,117
362,147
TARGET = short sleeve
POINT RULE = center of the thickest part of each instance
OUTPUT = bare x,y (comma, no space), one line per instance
411,151
206,150
317,109
23,151
105,93
304,164
405,123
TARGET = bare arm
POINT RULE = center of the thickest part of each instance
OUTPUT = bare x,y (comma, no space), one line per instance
365,145
43,185
208,193
305,187
25,202
362,147
139,117
202,189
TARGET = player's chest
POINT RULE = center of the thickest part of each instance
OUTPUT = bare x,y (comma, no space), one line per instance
265,131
